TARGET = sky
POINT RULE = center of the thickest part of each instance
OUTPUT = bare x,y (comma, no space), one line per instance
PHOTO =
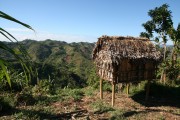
80,20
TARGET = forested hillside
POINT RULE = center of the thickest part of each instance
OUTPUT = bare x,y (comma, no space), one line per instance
65,64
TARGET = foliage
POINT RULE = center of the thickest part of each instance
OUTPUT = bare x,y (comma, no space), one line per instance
67,65
43,87
21,55
173,91
160,29
26,116
18,81
67,93
117,115
99,107
77,94
25,97
173,71
160,22
89,91
7,103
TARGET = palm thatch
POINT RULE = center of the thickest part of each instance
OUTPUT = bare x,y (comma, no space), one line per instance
117,57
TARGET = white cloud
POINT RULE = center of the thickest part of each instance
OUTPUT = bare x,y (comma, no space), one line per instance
22,34
17,30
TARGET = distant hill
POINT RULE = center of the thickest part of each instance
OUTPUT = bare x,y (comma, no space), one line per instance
69,64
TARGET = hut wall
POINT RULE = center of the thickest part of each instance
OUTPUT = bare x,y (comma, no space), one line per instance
149,71
123,71
133,72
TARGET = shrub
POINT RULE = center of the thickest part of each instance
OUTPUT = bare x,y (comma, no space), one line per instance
77,94
25,97
7,103
43,88
89,91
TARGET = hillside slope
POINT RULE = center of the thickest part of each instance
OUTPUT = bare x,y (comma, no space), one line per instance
68,64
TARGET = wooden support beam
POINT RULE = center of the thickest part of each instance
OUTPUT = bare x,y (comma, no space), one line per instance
113,93
127,88
101,91
147,90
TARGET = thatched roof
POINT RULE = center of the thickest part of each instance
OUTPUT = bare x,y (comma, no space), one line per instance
115,48
111,50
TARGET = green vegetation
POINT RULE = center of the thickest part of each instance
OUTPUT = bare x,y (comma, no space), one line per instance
100,107
63,64
20,54
160,29
50,79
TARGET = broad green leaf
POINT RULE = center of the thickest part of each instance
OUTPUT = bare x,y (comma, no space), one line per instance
4,69
2,30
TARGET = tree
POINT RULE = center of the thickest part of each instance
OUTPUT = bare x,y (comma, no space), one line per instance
175,37
22,56
159,28
174,68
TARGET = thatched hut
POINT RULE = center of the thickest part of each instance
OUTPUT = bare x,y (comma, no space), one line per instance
125,59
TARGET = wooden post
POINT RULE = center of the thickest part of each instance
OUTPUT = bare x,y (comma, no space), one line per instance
139,84
127,88
113,93
101,92
147,90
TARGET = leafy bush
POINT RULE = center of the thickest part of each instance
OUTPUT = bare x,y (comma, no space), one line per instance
43,88
173,71
161,90
18,81
77,94
89,91
25,97
26,116
7,102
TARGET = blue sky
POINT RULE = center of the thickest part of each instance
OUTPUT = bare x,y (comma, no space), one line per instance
81,20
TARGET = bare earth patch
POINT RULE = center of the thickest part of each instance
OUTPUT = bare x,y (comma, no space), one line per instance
129,109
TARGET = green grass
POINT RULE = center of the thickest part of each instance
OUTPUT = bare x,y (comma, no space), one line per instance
117,115
65,94
89,91
100,107
40,106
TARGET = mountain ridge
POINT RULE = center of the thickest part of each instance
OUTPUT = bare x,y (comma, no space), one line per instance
65,62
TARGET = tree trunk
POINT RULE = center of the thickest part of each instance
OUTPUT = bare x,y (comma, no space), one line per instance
174,55
163,75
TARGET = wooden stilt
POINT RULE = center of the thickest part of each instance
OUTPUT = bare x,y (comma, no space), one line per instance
113,93
101,92
127,88
147,90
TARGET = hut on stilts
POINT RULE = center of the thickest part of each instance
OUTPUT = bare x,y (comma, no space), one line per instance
121,59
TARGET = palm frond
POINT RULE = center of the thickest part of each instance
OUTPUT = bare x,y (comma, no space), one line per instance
8,17
7,35
4,69
23,57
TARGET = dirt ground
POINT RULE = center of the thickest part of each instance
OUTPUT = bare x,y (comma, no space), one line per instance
125,108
